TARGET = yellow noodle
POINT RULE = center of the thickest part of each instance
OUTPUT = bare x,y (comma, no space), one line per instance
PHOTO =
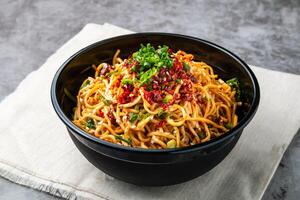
209,113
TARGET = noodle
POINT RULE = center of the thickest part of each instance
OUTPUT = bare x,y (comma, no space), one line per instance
173,102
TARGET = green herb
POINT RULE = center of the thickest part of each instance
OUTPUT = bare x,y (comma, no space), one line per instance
162,114
126,81
186,67
85,83
133,117
146,76
235,84
133,69
119,137
201,135
165,59
151,61
109,74
148,57
105,101
171,144
167,98
145,115
229,125
135,80
90,123
178,80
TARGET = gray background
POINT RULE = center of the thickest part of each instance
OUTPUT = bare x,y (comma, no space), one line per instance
262,32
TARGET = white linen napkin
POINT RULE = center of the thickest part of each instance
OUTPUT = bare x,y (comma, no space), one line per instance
36,151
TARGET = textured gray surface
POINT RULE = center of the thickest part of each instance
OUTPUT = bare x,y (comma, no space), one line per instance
264,33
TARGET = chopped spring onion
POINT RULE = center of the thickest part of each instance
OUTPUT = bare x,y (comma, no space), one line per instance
90,123
119,137
171,144
235,84
201,135
127,81
186,67
178,80
133,117
151,60
105,101
167,98
229,125
145,77
162,114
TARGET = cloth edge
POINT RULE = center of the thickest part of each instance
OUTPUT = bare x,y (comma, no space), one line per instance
48,186
277,164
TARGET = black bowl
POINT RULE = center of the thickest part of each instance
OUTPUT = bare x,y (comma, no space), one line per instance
153,167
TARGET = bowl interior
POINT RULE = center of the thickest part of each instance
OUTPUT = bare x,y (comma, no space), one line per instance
224,63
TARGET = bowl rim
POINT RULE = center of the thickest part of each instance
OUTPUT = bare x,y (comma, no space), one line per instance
240,126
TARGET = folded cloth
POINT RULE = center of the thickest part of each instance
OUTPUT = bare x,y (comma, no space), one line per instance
36,151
